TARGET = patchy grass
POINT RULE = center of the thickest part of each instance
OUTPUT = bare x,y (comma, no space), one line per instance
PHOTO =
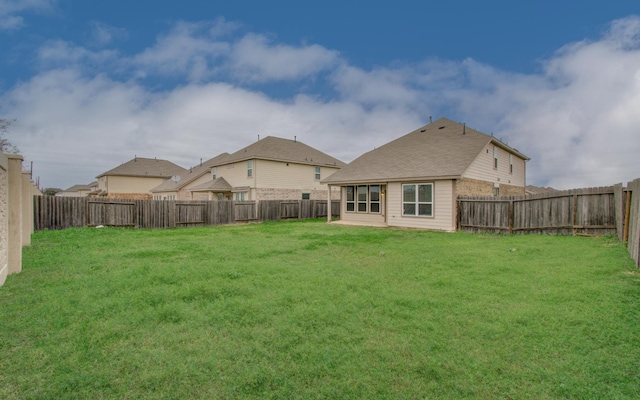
309,310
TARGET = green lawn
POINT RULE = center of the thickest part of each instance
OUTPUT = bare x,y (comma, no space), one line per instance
310,310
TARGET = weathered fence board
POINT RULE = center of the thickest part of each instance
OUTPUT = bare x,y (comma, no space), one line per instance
63,212
581,211
633,227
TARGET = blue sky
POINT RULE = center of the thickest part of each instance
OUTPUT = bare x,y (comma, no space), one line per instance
93,84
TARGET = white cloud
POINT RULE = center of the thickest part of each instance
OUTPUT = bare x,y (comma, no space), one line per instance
9,20
256,59
577,118
103,34
190,49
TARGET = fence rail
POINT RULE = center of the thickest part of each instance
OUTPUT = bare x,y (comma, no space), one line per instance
52,212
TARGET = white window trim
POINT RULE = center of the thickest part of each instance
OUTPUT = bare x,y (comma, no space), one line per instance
250,169
316,173
368,201
417,203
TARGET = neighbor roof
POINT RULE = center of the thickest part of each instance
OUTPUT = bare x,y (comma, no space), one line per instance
190,175
146,167
77,188
217,185
443,149
278,149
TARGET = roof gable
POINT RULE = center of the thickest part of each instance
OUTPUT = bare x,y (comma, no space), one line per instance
442,149
191,174
146,167
278,149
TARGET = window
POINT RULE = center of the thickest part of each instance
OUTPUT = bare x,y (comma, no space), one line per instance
249,168
351,204
495,157
362,198
214,173
306,196
496,191
374,198
511,163
316,173
417,199
240,196
220,197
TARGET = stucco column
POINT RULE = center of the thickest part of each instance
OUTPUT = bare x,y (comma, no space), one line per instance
328,203
4,217
15,213
27,209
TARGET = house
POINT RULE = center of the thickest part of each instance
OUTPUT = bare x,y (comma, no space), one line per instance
135,178
180,188
270,169
414,180
79,190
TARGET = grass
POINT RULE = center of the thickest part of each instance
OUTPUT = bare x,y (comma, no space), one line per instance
310,310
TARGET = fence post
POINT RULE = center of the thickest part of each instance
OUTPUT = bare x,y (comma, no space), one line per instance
511,216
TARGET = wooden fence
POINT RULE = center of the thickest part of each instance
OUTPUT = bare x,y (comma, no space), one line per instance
611,210
52,212
573,212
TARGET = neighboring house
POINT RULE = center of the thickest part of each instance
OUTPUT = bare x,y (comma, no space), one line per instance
414,180
135,179
79,190
270,169
180,188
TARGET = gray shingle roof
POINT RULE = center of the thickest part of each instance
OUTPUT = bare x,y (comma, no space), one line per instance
437,150
217,185
191,174
146,167
278,149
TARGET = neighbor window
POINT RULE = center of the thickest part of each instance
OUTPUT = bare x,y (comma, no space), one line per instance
495,157
240,196
316,173
417,199
220,196
511,163
351,199
214,173
249,168
306,196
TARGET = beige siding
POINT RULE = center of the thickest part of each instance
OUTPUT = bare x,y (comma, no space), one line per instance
482,168
281,175
360,218
185,192
288,179
443,207
236,174
131,184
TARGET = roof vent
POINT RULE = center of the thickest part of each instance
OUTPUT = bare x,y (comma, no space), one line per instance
423,130
464,128
442,127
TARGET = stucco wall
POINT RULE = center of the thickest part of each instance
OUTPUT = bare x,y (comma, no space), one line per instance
16,191
4,216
